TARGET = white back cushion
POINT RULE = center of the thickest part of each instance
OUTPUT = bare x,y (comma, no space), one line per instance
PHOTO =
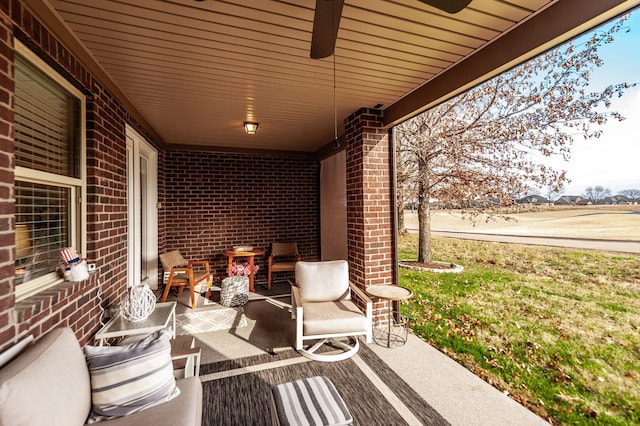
323,281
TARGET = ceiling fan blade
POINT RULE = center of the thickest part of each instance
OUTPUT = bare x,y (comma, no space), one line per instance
449,6
326,22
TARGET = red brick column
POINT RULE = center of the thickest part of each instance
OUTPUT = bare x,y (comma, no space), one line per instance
369,201
7,199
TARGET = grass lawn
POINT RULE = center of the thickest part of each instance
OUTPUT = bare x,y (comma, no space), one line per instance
558,329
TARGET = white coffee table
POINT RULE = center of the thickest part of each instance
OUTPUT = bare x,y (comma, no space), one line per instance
161,317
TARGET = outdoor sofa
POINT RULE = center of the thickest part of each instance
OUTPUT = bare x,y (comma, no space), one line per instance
49,384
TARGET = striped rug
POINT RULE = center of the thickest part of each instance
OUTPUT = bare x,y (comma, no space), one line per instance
239,392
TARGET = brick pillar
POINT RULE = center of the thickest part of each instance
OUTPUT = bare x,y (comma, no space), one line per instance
369,201
7,199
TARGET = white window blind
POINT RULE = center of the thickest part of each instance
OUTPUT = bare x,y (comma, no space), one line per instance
46,136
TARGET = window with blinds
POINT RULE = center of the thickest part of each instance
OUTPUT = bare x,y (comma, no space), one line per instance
49,177
46,133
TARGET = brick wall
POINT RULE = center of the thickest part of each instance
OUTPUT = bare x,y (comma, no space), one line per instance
7,200
69,304
369,203
214,201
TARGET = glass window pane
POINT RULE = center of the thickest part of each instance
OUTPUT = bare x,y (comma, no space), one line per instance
42,228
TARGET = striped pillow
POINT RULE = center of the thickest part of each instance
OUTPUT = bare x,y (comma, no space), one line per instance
127,379
312,401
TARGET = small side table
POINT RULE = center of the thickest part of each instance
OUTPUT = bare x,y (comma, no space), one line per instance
248,254
161,317
394,334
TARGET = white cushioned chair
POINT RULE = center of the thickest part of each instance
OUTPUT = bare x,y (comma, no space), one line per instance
324,309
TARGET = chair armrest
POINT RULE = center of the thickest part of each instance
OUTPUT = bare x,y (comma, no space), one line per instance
296,304
185,353
179,351
359,293
199,262
186,269
295,298
297,314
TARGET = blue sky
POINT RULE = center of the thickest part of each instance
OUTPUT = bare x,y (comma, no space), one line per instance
613,160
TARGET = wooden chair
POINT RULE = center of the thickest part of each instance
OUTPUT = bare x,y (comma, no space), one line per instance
283,258
181,273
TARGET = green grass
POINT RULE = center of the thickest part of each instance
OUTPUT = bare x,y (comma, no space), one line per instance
558,329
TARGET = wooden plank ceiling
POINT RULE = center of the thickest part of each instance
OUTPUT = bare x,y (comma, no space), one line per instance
196,70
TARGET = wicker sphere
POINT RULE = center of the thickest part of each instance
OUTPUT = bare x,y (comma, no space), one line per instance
139,303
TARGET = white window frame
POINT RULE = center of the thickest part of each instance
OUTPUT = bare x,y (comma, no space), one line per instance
78,208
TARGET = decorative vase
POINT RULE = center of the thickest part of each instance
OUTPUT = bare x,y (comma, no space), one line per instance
139,303
234,291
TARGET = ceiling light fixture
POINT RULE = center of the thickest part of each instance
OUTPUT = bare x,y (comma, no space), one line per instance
250,127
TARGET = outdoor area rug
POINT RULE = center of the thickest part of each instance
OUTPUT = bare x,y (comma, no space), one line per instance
239,392
203,321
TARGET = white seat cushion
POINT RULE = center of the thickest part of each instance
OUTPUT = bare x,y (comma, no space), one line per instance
333,318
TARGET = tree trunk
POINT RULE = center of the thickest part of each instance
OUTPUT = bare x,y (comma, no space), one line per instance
424,215
400,206
424,231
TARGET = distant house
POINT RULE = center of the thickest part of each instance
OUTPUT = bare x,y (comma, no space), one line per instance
572,200
622,199
615,200
608,201
536,200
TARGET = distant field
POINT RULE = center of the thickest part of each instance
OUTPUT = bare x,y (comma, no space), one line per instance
600,222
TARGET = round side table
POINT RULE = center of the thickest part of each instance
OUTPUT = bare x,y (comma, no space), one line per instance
394,332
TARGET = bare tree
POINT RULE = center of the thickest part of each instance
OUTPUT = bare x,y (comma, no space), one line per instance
554,192
475,149
631,194
405,175
596,193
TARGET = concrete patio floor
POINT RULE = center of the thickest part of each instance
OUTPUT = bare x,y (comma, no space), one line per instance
458,395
